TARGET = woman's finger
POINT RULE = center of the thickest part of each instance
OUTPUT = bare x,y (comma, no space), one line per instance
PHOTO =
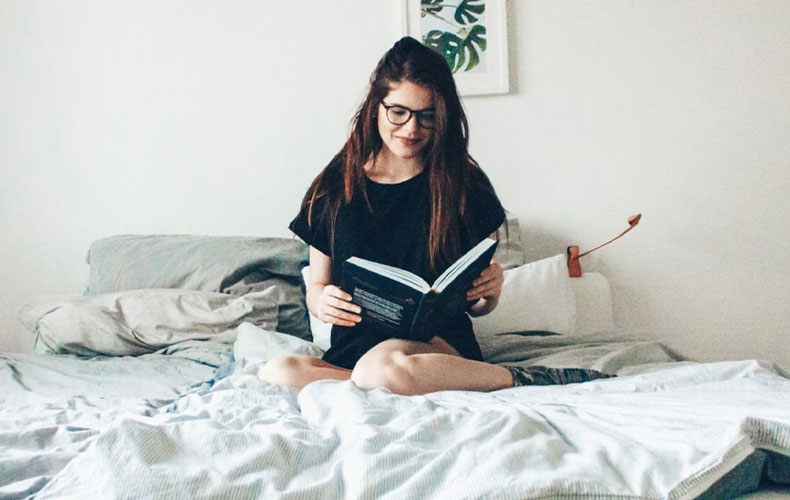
489,289
338,292
341,312
337,321
340,318
344,305
484,279
346,316
492,272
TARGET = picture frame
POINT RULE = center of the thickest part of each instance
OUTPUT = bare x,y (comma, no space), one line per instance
472,36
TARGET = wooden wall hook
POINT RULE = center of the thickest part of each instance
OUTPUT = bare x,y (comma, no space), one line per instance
574,266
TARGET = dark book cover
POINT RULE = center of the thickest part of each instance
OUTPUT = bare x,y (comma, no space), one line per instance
403,304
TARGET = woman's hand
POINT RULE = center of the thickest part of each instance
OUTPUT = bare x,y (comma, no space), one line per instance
486,290
334,306
328,302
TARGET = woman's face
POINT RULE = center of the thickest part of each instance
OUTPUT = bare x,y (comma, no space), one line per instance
412,107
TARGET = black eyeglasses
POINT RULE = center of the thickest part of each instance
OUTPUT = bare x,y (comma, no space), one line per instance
400,115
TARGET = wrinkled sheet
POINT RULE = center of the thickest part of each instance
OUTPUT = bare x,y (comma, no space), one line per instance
52,408
661,429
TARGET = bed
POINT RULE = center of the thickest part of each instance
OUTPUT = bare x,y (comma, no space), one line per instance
145,386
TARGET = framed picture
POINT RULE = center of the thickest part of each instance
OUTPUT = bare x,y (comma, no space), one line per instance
470,34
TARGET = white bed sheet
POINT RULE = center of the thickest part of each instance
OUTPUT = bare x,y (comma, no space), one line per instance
52,408
661,429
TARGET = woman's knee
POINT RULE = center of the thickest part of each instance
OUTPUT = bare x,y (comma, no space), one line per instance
285,370
388,368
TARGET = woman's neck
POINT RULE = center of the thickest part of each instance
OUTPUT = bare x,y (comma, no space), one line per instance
387,168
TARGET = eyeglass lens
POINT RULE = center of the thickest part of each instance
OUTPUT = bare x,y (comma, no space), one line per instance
398,115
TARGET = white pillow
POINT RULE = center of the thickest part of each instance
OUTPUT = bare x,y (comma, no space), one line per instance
255,345
322,332
540,296
593,298
535,296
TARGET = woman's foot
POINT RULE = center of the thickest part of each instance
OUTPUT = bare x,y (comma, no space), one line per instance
542,375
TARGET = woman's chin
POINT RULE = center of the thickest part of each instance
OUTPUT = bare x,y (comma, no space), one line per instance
407,152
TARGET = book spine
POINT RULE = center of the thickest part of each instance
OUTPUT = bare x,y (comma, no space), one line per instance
418,329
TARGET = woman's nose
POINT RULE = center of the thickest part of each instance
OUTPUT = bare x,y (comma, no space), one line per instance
411,124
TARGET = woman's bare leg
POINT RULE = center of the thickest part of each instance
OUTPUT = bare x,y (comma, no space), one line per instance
298,371
407,367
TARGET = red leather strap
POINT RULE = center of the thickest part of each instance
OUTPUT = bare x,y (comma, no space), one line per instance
575,267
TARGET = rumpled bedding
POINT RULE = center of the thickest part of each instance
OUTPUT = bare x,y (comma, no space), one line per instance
162,426
52,408
236,265
135,322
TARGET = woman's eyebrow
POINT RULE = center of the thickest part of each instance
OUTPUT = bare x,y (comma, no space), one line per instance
431,108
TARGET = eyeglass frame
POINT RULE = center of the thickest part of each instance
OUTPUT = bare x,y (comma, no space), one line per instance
417,113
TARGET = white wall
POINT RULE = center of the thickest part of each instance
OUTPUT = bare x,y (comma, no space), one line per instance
212,118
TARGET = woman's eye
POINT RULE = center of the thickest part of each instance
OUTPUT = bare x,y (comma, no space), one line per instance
399,112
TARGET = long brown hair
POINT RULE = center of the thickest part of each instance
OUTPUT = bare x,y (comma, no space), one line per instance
452,172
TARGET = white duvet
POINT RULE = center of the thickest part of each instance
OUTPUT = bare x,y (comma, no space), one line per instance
666,433
659,430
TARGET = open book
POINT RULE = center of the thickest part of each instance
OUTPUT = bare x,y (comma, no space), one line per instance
403,304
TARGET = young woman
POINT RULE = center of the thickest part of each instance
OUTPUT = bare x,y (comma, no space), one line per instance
402,191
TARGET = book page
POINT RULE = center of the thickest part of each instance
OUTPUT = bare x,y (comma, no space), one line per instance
461,264
394,273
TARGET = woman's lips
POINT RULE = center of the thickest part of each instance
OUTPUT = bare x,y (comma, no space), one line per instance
408,142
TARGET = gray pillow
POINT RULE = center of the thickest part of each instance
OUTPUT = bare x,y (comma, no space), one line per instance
292,313
227,264
135,322
509,252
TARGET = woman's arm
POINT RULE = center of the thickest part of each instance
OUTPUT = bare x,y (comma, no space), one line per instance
486,290
325,301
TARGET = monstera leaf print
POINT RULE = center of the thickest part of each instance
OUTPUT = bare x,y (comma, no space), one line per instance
463,44
466,10
431,6
447,44
458,51
476,37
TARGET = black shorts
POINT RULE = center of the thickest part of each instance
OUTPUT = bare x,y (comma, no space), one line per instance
351,343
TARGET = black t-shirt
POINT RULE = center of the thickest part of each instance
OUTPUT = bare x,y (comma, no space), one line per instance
393,231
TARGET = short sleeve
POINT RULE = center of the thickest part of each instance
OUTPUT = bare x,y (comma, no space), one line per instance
487,211
315,230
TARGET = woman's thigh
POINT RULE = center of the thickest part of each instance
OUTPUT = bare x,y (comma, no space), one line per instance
299,370
436,345
391,363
